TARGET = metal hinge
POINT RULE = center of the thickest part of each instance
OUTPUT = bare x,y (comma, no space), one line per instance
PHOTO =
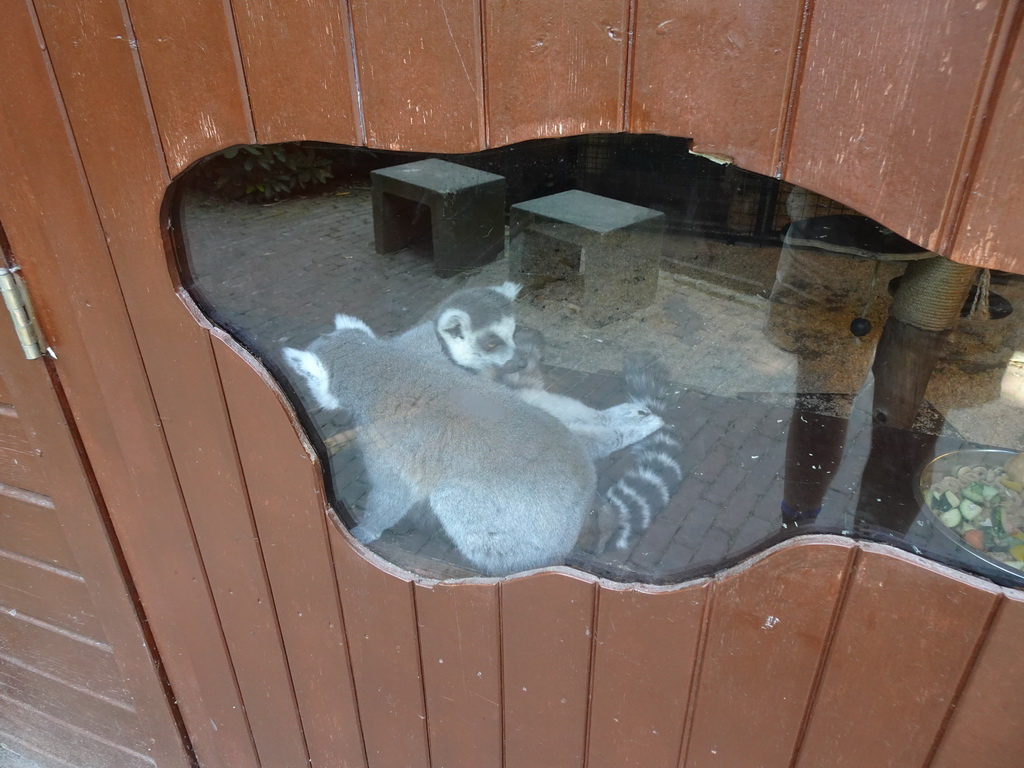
18,305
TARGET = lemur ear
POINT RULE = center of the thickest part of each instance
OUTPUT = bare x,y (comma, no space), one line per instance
508,289
349,323
312,369
454,323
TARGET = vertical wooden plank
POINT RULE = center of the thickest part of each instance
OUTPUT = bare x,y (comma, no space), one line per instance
380,623
299,68
547,623
645,651
985,724
127,178
905,638
555,69
991,230
194,74
460,649
285,489
768,626
881,125
51,223
720,72
420,74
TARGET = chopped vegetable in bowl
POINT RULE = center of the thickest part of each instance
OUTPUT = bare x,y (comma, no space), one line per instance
974,496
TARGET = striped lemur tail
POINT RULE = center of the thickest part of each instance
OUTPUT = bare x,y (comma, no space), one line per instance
645,488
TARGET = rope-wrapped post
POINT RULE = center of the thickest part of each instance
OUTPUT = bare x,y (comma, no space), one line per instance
924,310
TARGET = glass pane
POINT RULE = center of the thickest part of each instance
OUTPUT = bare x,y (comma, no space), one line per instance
700,361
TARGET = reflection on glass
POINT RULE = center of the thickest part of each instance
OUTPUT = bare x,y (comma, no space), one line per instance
699,363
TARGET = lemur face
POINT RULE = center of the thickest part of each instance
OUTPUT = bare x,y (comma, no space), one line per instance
492,345
477,327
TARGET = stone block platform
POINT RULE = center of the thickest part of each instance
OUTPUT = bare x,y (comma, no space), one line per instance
461,208
606,251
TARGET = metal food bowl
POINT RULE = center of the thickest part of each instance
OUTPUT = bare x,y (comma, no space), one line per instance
948,464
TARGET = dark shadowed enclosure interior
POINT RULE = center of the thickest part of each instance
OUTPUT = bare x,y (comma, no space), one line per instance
763,301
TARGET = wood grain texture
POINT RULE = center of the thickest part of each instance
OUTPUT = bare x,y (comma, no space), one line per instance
991,229
768,627
985,725
547,626
905,639
717,72
107,719
299,70
73,743
880,126
555,69
73,660
20,463
645,651
57,233
421,74
380,623
51,537
33,529
194,76
289,511
460,647
50,594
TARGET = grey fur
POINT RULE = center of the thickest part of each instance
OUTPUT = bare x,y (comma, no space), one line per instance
509,483
644,490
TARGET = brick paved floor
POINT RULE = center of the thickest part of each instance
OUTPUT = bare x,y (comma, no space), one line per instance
275,275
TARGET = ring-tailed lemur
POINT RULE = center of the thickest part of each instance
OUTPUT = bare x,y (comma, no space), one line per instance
509,483
646,487
477,330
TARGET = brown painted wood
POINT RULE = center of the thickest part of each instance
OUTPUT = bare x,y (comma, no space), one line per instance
194,76
51,222
287,500
991,231
645,651
416,95
559,69
107,719
718,72
20,464
299,69
76,745
460,647
67,563
29,525
384,649
223,523
77,661
768,626
866,104
904,642
49,594
985,725
547,626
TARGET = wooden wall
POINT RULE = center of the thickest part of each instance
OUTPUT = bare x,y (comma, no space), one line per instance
284,643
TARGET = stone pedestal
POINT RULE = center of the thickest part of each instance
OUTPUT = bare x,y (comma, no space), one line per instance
606,251
462,209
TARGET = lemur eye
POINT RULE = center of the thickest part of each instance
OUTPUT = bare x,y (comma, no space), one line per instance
493,344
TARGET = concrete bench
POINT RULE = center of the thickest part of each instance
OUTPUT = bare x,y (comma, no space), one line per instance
462,209
606,251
